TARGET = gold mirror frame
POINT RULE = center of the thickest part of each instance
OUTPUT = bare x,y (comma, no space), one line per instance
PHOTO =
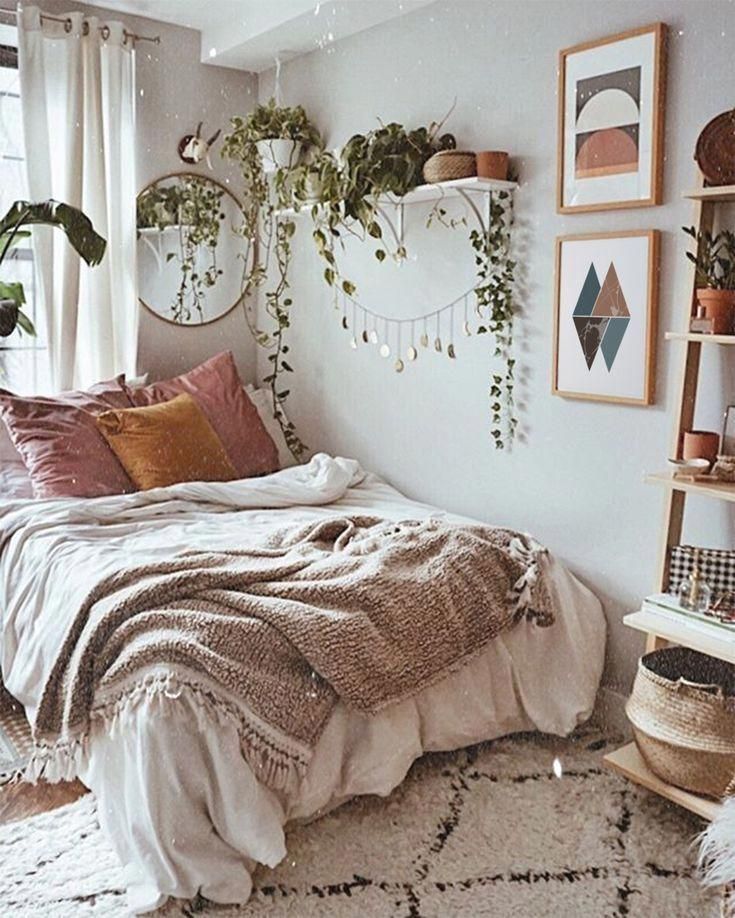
250,256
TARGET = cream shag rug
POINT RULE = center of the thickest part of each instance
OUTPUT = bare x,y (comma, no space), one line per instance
489,831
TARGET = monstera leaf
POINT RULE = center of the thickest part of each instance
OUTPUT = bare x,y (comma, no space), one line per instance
79,231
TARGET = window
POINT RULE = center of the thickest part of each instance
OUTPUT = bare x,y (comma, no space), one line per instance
23,359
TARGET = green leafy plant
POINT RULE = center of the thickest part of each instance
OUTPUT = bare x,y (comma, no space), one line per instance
269,234
79,231
714,258
387,160
494,297
194,207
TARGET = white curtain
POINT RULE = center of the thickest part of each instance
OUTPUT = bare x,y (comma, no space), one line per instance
77,84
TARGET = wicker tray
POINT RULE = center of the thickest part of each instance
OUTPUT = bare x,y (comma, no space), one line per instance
715,150
683,714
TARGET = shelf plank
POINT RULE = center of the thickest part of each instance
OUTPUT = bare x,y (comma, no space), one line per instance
722,193
702,339
432,192
452,188
628,761
685,632
721,490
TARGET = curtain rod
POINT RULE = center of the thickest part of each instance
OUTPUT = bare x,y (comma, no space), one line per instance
104,29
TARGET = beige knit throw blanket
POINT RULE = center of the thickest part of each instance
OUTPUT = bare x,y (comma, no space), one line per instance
357,609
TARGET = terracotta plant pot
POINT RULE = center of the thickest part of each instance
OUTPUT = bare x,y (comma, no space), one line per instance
492,164
701,444
719,305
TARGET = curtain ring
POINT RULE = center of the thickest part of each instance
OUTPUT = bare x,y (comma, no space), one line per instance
68,24
105,32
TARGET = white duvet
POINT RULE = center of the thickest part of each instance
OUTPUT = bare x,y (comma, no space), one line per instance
180,805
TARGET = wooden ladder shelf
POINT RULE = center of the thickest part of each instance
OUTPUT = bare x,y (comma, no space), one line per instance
627,760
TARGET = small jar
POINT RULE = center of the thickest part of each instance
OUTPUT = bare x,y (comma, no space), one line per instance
694,592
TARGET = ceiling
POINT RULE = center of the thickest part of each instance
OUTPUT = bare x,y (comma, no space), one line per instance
250,34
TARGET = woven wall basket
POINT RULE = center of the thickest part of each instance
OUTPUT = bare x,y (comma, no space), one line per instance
450,164
683,714
715,150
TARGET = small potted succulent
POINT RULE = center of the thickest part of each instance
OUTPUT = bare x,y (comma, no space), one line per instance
279,134
714,262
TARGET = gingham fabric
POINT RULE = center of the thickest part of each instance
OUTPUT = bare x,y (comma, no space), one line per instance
716,567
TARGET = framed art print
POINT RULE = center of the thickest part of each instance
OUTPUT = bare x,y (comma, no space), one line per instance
611,122
605,316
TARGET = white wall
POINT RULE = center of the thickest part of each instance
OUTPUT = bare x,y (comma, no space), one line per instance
575,479
175,92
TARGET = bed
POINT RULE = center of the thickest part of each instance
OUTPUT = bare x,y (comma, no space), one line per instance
181,806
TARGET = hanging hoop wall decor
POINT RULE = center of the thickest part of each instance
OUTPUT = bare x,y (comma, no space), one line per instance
488,303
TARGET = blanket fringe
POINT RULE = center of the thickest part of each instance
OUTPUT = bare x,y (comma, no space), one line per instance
62,759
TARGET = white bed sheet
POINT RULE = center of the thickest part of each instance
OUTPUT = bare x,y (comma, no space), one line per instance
178,801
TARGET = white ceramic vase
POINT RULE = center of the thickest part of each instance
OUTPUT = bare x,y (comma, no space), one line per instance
278,153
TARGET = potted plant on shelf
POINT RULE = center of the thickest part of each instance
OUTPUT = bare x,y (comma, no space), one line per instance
714,262
79,231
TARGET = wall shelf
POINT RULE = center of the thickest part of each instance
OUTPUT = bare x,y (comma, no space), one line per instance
695,338
628,761
434,192
721,490
718,193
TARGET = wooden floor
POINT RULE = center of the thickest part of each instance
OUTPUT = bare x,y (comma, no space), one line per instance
20,800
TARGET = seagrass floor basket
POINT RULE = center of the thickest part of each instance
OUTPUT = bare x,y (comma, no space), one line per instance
682,710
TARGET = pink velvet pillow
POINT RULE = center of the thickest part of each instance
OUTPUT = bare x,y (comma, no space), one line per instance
58,440
216,386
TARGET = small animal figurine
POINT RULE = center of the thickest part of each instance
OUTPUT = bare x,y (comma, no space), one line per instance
193,149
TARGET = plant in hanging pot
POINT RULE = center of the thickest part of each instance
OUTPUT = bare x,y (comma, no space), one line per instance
269,229
714,262
79,231
280,134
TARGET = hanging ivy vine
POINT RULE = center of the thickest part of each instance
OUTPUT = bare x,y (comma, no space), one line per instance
494,296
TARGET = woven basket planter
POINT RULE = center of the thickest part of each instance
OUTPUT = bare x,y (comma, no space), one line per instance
450,164
683,714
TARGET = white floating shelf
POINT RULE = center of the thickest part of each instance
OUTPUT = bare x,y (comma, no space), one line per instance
702,339
723,193
432,192
452,188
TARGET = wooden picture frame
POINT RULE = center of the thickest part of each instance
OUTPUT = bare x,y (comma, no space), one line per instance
598,181
586,309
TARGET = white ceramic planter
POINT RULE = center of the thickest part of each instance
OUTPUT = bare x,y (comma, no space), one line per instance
278,153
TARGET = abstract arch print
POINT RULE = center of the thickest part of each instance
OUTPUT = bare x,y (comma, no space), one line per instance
611,110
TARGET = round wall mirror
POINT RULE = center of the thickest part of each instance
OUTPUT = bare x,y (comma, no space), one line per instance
191,251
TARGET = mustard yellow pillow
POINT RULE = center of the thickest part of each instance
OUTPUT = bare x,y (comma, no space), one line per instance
166,443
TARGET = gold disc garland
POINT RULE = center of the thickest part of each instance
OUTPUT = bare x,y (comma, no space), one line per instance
364,322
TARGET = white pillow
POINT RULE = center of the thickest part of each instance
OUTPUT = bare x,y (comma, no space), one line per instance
262,399
15,481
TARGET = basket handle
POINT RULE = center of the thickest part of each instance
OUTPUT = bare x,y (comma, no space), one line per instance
712,688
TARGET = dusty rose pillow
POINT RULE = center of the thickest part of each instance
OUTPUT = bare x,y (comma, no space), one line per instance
58,440
216,386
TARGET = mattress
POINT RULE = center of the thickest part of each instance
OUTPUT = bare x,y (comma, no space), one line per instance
182,808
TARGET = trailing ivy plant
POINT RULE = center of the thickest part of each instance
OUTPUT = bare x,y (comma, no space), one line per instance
494,298
387,160
269,234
